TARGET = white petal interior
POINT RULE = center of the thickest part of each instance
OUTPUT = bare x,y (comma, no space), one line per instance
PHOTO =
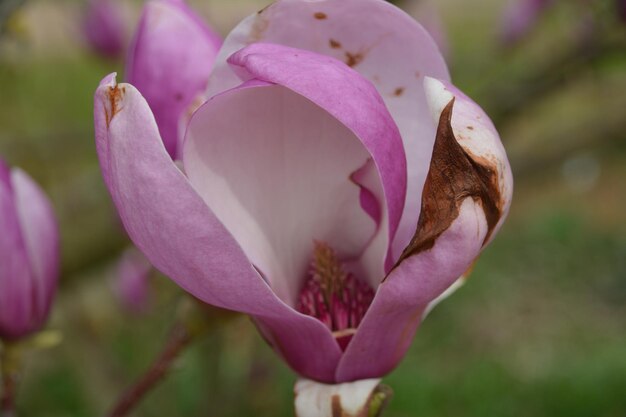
379,41
275,169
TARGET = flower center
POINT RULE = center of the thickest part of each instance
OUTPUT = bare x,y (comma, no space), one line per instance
333,296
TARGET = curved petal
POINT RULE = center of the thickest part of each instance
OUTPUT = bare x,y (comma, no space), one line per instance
16,280
41,238
276,170
372,265
388,327
378,40
345,95
170,62
168,221
466,197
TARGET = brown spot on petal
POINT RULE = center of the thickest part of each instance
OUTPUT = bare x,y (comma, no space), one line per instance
454,175
320,16
115,95
334,44
398,91
353,60
470,127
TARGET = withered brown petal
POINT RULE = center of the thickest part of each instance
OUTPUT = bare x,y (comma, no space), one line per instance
454,175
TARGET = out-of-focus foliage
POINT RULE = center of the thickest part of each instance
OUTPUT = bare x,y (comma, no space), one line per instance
540,328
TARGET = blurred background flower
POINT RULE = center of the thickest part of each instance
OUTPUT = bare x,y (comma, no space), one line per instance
169,62
104,29
131,281
542,328
29,255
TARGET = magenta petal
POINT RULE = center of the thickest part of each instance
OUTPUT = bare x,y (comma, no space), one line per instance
170,62
347,96
168,221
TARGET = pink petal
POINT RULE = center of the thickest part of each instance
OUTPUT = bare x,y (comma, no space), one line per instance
279,180
16,281
378,40
388,327
170,61
168,221
345,95
467,149
371,265
28,254
41,237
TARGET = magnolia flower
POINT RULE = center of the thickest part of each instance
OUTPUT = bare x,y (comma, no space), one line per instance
132,281
103,27
169,62
29,255
334,186
520,16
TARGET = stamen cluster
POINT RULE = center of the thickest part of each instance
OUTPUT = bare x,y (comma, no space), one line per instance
335,297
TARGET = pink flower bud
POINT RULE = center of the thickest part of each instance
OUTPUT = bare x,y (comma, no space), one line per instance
103,28
170,61
132,281
29,254
520,17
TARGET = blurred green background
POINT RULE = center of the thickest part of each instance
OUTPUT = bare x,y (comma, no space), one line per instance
539,329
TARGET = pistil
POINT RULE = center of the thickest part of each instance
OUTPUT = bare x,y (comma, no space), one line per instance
333,295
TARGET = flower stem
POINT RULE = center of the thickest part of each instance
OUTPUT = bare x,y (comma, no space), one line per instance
9,384
379,401
179,339
9,371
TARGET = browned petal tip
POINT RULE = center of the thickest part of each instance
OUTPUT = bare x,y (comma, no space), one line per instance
114,94
454,175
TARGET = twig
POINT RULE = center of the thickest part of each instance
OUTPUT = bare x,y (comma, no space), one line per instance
9,385
9,370
180,338
506,100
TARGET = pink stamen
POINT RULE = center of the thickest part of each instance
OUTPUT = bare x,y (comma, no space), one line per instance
333,296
